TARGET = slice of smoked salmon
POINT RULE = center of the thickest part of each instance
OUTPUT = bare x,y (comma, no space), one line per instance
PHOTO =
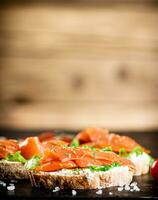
55,166
66,138
101,138
8,147
46,136
87,162
107,158
63,154
49,156
53,142
117,142
30,147
93,135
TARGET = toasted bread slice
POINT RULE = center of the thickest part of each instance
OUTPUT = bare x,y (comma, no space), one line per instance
12,170
83,179
74,179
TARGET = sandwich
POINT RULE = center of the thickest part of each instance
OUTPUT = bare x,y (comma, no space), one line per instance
54,163
11,161
15,154
122,145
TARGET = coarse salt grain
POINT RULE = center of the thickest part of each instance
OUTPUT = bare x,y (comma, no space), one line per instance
74,192
99,192
4,184
132,187
11,183
110,193
133,184
120,189
127,187
12,187
1,182
136,188
56,189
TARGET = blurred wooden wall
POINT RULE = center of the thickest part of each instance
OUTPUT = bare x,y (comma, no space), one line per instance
73,66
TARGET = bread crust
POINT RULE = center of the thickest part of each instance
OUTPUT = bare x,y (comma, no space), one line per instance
82,181
12,170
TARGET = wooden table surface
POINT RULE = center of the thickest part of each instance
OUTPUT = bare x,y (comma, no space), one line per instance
68,65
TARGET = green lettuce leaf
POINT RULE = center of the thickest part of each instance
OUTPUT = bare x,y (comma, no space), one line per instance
104,168
137,150
75,143
16,157
123,152
33,162
109,148
90,147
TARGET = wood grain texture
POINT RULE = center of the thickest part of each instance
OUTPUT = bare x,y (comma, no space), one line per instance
63,81
72,67
78,115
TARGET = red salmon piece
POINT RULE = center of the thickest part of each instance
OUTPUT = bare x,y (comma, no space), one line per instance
55,166
93,135
30,147
8,147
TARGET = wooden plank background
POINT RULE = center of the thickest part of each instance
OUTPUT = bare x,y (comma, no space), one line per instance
74,66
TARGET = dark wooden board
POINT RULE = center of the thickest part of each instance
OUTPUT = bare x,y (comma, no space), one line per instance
148,186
